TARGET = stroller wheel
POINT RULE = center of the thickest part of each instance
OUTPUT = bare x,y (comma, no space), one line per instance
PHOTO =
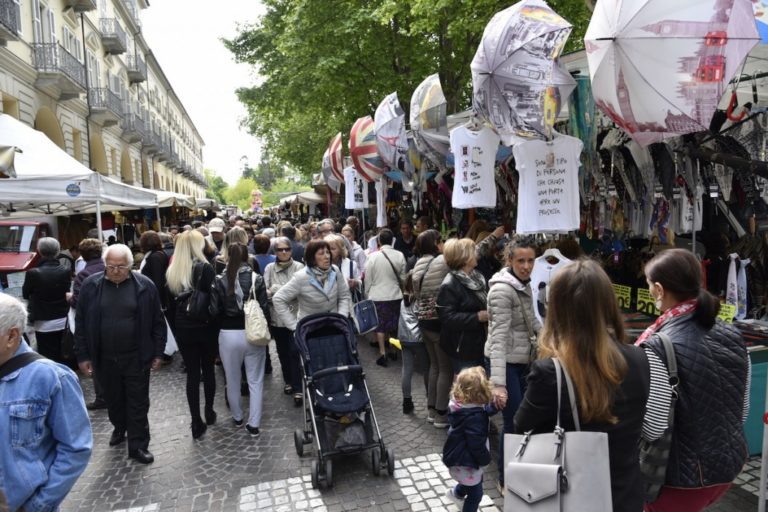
328,477
298,441
376,461
391,461
315,474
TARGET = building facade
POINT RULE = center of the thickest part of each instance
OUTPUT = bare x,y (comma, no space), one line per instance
81,72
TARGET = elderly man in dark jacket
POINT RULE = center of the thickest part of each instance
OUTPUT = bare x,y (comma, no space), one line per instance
120,330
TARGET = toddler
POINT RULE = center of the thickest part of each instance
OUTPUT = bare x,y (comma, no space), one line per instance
466,450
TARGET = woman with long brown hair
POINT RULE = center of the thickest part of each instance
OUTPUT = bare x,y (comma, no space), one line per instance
584,329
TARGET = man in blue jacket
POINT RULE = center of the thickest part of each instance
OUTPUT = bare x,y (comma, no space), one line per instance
45,434
120,330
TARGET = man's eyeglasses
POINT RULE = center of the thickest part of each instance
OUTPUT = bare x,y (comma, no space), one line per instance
283,249
119,268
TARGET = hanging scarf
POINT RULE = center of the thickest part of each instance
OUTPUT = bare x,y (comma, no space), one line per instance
321,275
683,308
474,281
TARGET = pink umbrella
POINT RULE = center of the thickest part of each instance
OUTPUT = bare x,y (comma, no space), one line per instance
336,158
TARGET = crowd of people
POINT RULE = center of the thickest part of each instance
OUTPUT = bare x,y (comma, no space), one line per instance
480,347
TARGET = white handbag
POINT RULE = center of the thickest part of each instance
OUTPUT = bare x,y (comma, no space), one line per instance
559,471
256,326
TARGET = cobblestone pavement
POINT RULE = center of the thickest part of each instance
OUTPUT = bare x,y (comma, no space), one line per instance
227,470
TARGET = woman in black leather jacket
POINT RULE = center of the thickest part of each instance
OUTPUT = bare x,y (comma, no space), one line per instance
231,291
461,306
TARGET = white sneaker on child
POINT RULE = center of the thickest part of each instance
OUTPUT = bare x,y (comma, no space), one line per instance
451,495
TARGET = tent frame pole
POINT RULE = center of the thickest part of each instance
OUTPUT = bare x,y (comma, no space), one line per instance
98,220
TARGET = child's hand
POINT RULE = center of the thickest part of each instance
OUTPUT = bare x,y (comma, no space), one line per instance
499,397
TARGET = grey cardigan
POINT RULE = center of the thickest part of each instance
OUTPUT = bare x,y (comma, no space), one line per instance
508,338
274,279
305,289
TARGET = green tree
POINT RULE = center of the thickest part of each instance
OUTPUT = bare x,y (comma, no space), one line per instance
282,188
240,193
216,186
324,64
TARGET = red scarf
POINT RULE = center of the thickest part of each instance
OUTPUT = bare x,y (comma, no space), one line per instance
681,309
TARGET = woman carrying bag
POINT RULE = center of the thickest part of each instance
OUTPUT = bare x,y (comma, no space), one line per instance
233,288
584,330
189,279
277,275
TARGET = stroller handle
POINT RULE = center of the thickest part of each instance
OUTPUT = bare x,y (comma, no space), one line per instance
351,368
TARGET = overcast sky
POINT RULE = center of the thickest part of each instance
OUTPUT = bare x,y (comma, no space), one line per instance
184,37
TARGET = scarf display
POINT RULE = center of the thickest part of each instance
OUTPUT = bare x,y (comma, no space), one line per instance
681,309
474,281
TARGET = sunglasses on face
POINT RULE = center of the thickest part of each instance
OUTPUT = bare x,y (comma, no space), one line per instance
283,249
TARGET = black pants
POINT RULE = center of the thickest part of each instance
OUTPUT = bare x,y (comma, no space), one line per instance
198,348
289,358
125,383
49,344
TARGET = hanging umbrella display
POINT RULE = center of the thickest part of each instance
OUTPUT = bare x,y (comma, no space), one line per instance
659,69
336,159
365,153
429,120
389,127
517,84
328,176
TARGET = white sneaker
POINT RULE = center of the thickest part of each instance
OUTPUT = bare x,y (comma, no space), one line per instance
451,495
441,421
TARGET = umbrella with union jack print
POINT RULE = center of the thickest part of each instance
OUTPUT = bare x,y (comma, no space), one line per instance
364,151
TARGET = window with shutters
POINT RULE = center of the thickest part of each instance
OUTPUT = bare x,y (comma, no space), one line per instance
37,21
72,44
94,74
17,8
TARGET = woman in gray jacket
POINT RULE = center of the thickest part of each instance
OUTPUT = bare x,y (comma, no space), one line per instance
512,330
277,275
319,288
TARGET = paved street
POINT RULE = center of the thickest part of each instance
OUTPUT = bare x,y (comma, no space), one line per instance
230,471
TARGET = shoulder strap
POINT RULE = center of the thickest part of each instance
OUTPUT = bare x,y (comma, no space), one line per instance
18,362
527,320
421,281
669,349
571,397
397,274
559,384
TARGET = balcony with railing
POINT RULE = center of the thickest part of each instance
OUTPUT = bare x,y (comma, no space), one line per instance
133,11
10,24
164,152
113,36
136,69
133,128
151,143
80,5
106,107
59,73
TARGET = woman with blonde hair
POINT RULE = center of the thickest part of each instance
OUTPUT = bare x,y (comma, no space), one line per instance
584,329
340,258
196,335
462,306
236,235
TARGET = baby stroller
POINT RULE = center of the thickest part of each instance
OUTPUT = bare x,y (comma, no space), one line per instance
338,413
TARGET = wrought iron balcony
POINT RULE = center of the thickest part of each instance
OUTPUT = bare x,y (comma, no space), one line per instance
113,36
136,68
133,10
58,72
164,152
106,107
151,142
133,128
10,24
80,5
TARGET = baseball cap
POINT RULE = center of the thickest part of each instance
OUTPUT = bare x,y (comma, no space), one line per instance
216,225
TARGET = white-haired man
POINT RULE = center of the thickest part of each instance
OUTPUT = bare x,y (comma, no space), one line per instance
120,330
45,434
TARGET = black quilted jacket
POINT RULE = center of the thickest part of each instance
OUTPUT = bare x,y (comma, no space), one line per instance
708,444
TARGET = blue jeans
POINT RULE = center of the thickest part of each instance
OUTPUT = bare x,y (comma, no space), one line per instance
472,495
516,374
460,364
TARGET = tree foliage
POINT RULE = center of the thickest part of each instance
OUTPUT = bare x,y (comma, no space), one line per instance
282,188
325,64
216,186
240,193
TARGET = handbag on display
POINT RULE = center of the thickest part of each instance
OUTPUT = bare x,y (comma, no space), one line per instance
256,326
559,471
654,455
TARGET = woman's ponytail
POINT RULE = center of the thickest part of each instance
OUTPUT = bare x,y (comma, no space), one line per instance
707,308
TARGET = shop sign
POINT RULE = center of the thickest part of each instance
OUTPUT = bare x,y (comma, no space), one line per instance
646,303
623,295
73,190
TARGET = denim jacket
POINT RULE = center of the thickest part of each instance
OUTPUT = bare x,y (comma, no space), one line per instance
45,435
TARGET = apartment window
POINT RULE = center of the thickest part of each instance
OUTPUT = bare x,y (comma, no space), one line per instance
50,22
17,8
94,74
72,44
37,23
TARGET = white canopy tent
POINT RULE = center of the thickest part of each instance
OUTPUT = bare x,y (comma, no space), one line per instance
50,182
165,199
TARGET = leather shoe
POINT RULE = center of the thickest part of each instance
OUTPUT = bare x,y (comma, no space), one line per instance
96,404
142,455
117,437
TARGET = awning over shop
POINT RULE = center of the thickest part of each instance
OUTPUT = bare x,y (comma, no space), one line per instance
165,199
50,182
206,203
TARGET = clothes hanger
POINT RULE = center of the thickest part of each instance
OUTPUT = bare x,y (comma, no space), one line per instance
553,256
